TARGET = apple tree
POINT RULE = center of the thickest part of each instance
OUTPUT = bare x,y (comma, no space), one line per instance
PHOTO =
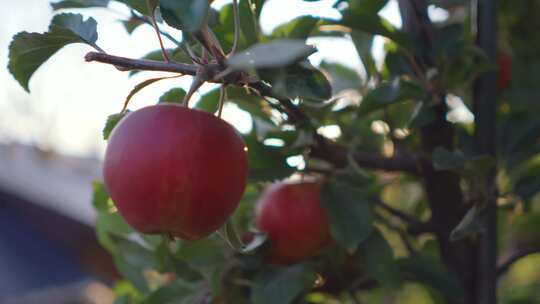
427,191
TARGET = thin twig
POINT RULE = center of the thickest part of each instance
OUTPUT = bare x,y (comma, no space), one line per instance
163,33
142,64
236,14
398,213
156,28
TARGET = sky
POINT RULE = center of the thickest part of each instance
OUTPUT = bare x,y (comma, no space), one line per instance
71,99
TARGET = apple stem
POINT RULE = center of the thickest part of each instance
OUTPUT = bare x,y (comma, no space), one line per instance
158,33
198,81
222,98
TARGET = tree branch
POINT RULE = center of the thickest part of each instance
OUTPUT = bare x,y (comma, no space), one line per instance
338,156
324,148
504,266
412,222
127,64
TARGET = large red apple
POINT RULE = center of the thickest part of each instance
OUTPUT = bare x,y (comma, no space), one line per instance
291,215
174,170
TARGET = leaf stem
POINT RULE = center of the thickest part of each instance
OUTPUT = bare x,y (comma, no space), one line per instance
156,28
236,14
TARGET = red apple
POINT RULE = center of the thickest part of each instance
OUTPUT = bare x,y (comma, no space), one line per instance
174,170
291,215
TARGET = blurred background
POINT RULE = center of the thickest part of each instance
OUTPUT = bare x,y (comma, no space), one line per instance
51,146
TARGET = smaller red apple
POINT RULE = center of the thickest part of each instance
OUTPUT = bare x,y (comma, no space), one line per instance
292,217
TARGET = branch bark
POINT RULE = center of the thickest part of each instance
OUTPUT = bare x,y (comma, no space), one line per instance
128,64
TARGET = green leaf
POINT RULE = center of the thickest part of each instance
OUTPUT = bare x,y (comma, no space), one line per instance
224,30
447,160
175,95
209,102
389,93
341,77
266,163
140,6
363,43
28,51
131,24
143,85
100,197
348,213
177,55
397,63
248,102
178,292
274,54
79,4
186,15
423,115
131,260
480,165
367,6
152,4
298,28
112,121
167,261
468,226
202,253
430,271
249,19
379,260
282,285
300,80
375,25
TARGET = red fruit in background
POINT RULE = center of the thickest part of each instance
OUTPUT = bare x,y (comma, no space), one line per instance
504,66
174,170
291,215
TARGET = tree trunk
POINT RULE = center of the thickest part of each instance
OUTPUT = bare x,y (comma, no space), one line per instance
485,99
473,262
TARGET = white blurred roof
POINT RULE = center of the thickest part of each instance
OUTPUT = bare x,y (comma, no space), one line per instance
60,183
